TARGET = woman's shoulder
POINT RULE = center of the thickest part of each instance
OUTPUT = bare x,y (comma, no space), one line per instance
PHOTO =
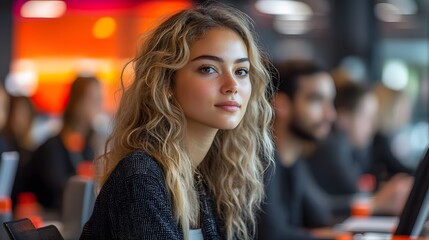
51,143
139,163
133,170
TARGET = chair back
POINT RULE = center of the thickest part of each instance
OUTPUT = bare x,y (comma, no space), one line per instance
78,202
8,166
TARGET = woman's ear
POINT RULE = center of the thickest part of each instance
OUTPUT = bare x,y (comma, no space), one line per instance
281,105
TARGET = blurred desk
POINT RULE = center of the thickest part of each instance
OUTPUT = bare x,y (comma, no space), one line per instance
369,224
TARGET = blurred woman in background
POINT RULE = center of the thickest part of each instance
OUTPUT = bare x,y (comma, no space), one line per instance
394,114
19,125
4,111
56,160
18,134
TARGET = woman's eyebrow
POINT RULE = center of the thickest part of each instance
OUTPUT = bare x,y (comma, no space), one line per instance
218,59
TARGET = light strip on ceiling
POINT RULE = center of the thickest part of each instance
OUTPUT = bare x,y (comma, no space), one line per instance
43,9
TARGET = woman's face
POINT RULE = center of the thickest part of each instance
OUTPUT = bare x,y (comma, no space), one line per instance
21,116
363,121
92,102
214,87
4,107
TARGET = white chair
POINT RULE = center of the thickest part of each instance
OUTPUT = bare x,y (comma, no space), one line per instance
8,167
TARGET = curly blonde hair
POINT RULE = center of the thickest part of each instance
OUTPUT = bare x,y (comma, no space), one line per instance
148,119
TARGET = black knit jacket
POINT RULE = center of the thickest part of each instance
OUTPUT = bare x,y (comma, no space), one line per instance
134,204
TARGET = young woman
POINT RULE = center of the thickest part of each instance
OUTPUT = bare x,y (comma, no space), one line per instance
191,136
56,160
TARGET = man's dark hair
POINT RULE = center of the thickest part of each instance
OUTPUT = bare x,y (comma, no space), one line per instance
349,96
289,73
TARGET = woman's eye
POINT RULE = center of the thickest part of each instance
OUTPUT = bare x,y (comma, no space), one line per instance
242,72
207,70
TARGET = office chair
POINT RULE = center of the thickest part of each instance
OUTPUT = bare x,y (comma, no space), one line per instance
78,202
8,167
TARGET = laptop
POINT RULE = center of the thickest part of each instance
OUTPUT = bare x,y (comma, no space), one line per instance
8,167
410,222
416,209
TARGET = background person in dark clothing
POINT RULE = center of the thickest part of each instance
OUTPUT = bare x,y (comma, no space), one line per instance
4,109
344,156
304,112
339,161
395,110
294,203
19,123
55,161
18,134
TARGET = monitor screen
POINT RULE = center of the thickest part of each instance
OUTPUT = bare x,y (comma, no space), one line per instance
416,209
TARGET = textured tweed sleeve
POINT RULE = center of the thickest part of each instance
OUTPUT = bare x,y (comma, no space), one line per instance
145,211
134,204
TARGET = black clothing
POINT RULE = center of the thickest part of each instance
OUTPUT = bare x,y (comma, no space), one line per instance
384,163
336,166
5,145
293,202
51,167
134,204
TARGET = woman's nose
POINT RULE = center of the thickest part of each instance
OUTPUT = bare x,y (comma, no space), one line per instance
230,85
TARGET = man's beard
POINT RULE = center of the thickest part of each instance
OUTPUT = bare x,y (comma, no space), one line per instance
304,134
301,133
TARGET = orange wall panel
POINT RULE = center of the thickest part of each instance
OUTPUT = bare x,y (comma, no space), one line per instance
66,39
68,36
51,97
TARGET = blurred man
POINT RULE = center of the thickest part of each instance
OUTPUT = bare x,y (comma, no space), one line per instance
304,112
339,162
343,157
304,106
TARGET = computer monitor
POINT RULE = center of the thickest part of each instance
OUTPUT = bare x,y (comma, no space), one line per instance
416,209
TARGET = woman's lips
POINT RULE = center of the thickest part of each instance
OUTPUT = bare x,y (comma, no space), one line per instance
230,106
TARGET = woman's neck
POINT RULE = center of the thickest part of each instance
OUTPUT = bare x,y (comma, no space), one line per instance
75,128
198,140
73,139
